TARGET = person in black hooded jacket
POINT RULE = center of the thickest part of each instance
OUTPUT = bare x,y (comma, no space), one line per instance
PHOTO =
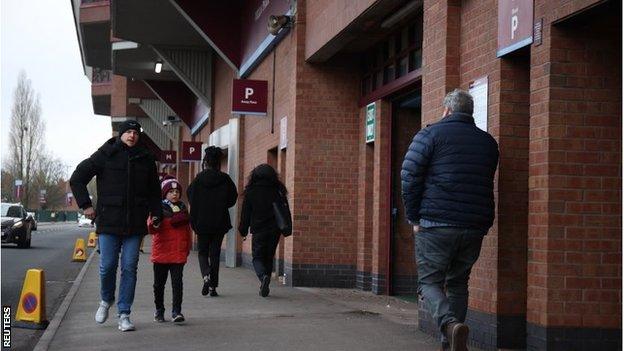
211,194
128,191
262,190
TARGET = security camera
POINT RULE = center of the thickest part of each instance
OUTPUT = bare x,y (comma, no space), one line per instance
278,22
170,120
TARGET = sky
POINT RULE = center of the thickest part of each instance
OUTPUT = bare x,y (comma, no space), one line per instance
39,36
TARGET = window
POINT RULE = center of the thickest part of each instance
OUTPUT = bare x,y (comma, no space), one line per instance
396,56
11,211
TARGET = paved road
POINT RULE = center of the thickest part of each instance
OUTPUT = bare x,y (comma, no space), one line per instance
52,247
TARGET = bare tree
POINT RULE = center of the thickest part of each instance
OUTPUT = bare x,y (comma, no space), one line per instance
26,134
48,175
7,186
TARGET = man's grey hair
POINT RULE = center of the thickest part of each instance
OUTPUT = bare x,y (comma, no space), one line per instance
459,101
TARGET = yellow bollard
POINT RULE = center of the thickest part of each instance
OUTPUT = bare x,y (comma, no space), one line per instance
80,253
31,308
91,240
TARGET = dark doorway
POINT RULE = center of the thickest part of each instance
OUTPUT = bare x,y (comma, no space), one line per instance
406,122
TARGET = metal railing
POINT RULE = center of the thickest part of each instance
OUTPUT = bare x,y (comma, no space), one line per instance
101,75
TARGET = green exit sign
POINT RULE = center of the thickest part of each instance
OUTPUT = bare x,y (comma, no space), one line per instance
371,110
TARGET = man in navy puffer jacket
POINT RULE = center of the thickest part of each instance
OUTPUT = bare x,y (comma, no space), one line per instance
447,180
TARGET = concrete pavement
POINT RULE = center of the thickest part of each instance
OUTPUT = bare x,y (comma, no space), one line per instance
239,319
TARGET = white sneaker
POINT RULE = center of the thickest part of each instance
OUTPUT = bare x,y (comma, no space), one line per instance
102,312
124,323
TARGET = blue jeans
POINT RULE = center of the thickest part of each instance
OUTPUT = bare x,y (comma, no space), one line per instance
110,247
445,256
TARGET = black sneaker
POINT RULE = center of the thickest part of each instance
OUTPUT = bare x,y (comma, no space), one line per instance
177,317
206,287
213,292
159,316
264,287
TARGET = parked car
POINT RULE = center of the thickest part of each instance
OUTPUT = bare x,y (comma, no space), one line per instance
16,225
33,221
84,221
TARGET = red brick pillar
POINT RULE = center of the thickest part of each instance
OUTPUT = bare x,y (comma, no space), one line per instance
381,196
365,208
440,55
324,149
574,268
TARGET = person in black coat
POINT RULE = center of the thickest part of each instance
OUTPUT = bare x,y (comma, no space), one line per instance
262,190
447,180
128,191
211,194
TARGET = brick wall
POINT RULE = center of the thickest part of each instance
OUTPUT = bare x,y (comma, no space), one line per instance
326,18
440,58
118,96
122,89
381,196
325,172
575,178
365,208
459,46
260,134
498,281
222,99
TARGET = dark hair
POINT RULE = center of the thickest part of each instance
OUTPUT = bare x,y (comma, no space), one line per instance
265,173
212,157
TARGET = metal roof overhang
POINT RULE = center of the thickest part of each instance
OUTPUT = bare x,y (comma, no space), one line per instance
136,61
146,23
153,22
368,28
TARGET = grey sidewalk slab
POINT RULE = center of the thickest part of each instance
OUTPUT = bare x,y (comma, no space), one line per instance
239,319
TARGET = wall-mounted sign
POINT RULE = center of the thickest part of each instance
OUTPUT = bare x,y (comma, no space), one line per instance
168,156
18,188
515,25
537,32
371,110
479,91
191,151
249,97
283,133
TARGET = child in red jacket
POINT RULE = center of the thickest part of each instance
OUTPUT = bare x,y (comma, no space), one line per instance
171,243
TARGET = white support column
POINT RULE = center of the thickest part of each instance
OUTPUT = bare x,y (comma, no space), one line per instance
233,171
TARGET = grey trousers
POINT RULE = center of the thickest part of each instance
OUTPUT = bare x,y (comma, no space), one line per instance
445,256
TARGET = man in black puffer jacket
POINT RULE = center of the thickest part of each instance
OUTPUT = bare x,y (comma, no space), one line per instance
447,180
211,194
128,192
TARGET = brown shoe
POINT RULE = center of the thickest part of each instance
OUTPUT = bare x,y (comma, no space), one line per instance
457,335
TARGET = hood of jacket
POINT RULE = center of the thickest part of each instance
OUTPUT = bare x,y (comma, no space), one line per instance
211,178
